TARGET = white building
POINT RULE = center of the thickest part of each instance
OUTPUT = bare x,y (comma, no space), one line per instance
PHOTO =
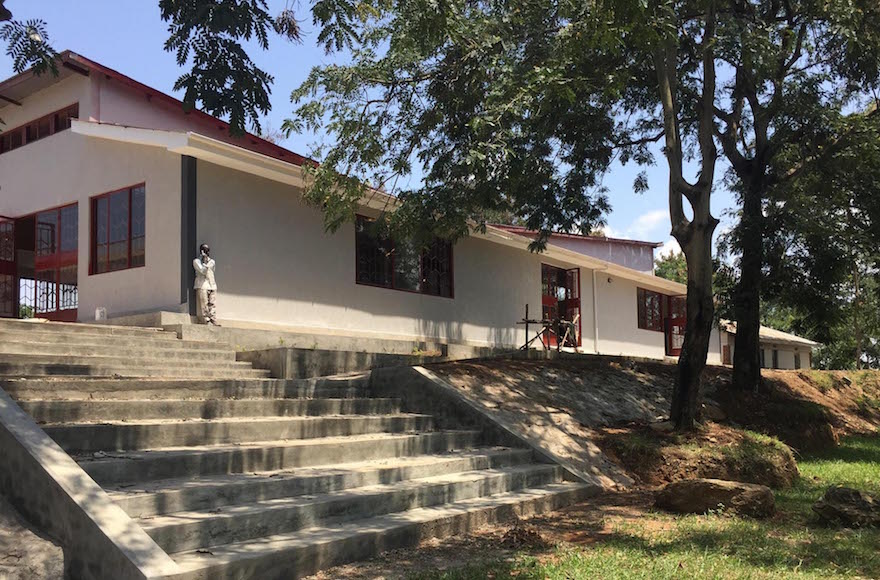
107,187
779,350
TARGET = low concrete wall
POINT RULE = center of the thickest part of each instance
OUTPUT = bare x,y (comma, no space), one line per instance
54,493
420,389
300,363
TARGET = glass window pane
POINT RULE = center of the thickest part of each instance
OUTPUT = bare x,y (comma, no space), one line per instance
46,291
119,255
7,241
437,269
138,212
101,220
43,127
47,233
373,256
138,252
119,217
67,289
101,263
407,274
69,228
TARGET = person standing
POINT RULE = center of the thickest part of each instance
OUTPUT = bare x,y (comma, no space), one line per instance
206,287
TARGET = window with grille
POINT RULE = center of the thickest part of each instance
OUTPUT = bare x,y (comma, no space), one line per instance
650,309
401,265
118,230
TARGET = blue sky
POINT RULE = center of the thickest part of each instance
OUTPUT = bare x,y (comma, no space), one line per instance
128,35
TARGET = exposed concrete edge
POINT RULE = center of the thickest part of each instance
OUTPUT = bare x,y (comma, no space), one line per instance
49,488
552,354
407,382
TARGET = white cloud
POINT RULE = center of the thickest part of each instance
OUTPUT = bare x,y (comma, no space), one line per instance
670,246
646,224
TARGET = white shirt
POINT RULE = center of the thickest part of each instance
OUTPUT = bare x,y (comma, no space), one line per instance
204,274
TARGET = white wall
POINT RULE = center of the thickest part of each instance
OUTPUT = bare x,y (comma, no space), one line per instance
65,168
73,89
635,256
785,354
275,264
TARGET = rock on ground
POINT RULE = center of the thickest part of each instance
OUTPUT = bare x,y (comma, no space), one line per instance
23,554
698,496
848,507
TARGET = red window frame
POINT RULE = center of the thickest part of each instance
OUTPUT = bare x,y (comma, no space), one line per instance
93,227
31,131
644,321
393,278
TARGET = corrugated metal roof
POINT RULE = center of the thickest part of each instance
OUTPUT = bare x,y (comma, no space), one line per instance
772,335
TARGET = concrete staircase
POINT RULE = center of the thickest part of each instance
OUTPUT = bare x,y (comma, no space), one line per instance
236,475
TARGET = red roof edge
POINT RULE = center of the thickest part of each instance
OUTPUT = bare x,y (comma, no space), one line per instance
248,141
527,232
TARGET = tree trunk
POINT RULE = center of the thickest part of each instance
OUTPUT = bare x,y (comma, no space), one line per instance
686,398
747,346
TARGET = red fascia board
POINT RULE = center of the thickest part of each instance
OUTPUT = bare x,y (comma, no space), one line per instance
527,232
248,140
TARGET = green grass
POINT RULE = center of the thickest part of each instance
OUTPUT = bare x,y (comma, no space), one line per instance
792,545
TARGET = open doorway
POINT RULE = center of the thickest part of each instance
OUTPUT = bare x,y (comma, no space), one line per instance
561,299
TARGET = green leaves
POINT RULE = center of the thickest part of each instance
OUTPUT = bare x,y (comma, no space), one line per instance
222,78
465,112
28,46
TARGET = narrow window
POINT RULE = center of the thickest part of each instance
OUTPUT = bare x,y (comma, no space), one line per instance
118,230
400,265
650,309
38,129
775,359
797,360
763,363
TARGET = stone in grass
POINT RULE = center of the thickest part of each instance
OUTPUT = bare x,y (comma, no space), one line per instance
699,496
848,507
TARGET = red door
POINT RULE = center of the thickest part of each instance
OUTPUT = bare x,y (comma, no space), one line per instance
560,298
8,286
676,321
55,263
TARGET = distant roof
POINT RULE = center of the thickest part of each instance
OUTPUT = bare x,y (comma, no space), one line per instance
523,231
772,335
16,88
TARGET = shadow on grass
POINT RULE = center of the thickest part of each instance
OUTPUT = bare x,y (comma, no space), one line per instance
498,569
855,449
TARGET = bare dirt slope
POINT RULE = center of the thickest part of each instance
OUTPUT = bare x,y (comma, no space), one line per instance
564,399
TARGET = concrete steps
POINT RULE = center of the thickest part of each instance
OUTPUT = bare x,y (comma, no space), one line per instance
182,409
96,369
240,476
304,552
51,351
154,340
211,492
157,434
79,388
139,466
189,530
78,328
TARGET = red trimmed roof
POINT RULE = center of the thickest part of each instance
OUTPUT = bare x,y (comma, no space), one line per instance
523,231
215,126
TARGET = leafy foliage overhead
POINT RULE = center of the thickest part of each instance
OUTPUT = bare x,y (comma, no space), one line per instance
501,107
223,78
28,44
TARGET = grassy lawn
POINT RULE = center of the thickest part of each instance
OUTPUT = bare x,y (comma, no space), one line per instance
790,545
